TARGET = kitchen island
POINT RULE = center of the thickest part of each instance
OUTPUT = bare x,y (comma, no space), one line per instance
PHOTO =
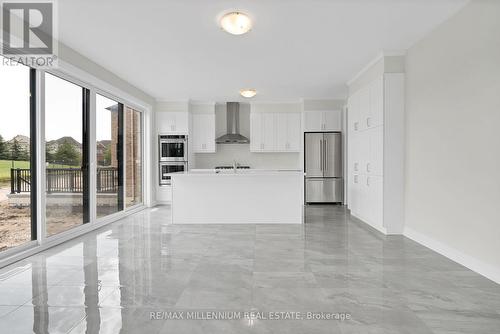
237,197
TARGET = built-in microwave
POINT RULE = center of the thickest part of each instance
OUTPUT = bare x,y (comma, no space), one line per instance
173,147
167,168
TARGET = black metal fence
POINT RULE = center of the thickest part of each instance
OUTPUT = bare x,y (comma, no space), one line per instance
64,180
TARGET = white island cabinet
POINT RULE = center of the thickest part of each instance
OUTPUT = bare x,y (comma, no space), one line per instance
241,197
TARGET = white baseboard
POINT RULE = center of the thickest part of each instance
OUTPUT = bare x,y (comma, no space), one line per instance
484,269
381,229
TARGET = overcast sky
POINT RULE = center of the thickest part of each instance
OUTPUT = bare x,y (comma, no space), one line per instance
63,106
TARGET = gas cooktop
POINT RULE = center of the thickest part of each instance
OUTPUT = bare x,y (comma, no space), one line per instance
231,167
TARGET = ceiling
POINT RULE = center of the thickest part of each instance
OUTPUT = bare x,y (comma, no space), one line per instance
174,49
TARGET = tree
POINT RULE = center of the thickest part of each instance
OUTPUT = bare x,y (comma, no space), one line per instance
3,149
67,154
107,156
17,152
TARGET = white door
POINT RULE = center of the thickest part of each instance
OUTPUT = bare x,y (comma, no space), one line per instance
376,115
313,121
362,198
364,152
332,120
354,194
198,133
376,161
364,107
211,147
256,136
181,122
353,113
354,153
165,122
281,125
268,132
375,186
293,132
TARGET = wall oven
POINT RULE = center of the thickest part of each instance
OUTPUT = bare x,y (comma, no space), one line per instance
173,148
167,168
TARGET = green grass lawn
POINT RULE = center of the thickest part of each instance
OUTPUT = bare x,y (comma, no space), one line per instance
5,166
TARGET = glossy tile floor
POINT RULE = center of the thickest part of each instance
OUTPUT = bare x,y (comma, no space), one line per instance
109,281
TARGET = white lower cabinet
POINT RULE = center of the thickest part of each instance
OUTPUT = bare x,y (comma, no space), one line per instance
366,196
375,200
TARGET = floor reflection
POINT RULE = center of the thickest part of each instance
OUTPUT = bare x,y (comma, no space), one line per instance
109,280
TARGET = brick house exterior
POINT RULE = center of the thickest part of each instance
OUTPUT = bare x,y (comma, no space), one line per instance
133,151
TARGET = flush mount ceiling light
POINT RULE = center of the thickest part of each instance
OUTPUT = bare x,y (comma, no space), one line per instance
248,92
236,23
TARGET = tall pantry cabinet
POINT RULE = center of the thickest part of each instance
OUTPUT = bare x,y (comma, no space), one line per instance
376,153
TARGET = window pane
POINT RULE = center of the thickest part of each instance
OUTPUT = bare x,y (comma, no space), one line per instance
15,171
64,145
109,133
133,149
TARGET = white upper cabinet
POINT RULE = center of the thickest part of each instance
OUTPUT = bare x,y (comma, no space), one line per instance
293,134
376,112
172,122
275,132
313,121
203,132
268,132
329,120
364,107
281,131
256,138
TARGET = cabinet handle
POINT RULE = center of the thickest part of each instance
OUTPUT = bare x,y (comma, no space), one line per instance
368,121
355,126
368,181
368,167
356,166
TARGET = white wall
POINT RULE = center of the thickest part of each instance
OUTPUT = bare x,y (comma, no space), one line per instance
453,138
226,153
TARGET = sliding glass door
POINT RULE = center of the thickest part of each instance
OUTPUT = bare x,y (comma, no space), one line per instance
109,151
133,160
66,150
17,155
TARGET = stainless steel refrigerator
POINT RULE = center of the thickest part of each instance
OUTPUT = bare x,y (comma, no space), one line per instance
323,167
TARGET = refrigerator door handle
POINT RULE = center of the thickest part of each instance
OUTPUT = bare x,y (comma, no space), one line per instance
321,155
326,154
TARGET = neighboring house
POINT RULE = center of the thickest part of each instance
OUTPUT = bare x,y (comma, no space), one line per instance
53,145
22,141
101,152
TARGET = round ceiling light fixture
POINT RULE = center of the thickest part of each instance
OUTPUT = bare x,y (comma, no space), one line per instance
236,23
248,93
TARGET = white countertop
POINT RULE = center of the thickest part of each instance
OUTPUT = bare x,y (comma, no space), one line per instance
239,172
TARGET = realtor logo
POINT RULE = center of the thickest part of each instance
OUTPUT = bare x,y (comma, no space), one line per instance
29,33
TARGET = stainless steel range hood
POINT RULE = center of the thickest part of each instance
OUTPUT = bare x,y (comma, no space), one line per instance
232,135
